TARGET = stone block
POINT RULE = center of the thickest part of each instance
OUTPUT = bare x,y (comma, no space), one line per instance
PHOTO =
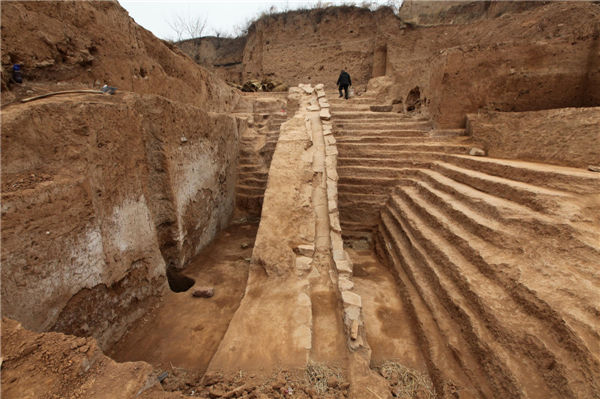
204,292
307,88
330,140
334,221
331,150
319,86
324,114
320,94
332,206
343,266
339,255
345,283
477,152
351,298
332,174
351,312
331,188
313,108
303,262
306,250
331,161
337,243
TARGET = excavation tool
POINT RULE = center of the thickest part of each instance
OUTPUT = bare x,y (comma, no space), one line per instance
104,90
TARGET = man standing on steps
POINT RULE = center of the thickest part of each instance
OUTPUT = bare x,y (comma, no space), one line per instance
343,82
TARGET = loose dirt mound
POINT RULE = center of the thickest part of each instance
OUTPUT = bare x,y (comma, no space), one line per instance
92,43
57,366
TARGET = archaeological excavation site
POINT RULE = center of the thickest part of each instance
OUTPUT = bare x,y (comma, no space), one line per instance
211,218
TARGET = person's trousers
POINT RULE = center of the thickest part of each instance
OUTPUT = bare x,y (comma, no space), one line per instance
345,87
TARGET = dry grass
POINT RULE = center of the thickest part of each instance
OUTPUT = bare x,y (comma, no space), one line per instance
406,382
318,374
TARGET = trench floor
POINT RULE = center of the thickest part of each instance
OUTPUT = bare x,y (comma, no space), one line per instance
184,331
388,325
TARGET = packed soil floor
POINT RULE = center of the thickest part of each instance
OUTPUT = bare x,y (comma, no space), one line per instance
181,321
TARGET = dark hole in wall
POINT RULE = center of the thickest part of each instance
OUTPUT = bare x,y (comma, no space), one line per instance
178,282
413,100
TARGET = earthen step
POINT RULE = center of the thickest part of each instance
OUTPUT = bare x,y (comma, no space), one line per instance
467,261
377,121
438,329
349,107
381,125
376,139
251,181
366,186
408,133
256,175
250,190
551,176
358,149
512,214
579,308
380,163
347,115
535,197
249,168
347,169
336,100
432,334
456,283
547,176
251,203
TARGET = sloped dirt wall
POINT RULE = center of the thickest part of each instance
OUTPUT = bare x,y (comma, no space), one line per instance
90,43
100,194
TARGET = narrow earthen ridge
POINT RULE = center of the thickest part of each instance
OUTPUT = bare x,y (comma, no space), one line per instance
364,382
353,320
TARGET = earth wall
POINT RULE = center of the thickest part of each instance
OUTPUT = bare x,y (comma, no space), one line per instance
105,198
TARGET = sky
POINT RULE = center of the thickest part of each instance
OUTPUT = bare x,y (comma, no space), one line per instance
221,16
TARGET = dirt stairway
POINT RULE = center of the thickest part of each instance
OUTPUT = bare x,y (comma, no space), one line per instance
481,249
489,256
364,135
257,145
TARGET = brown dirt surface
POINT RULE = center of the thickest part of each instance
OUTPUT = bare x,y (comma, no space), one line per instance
180,321
566,136
96,178
506,63
89,44
458,276
58,366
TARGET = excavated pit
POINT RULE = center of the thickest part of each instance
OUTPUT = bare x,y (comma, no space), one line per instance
180,321
332,248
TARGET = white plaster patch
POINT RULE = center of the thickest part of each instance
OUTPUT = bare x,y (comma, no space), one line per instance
133,225
191,176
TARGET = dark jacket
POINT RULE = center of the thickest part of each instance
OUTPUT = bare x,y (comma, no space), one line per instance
344,79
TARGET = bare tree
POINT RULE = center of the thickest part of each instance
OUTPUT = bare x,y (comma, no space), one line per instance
187,27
